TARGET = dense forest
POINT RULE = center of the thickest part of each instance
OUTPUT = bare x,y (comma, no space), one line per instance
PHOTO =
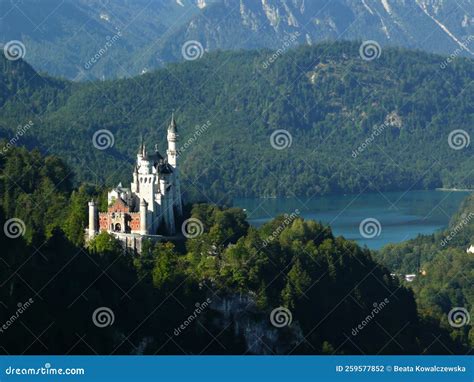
400,108
445,269
211,294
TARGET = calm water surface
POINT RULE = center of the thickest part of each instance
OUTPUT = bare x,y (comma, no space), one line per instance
402,215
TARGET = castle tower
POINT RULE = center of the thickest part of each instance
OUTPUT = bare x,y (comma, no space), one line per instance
173,138
92,219
167,205
143,217
145,186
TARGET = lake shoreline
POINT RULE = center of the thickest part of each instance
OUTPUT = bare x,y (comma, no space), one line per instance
400,216
441,189
454,189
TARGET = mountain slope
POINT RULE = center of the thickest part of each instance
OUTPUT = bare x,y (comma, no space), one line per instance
437,26
61,37
354,125
445,284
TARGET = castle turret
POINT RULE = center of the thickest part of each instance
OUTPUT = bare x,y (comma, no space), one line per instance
141,148
92,219
173,138
135,186
143,217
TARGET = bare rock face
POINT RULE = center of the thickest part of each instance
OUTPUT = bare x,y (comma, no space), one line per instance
394,120
395,22
439,26
249,323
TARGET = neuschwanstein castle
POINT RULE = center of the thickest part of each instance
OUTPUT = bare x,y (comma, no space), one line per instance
152,202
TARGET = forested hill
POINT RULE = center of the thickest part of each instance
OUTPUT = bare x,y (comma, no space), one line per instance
288,287
444,268
327,98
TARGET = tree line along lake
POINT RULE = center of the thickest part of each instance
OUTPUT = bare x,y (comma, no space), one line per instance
402,215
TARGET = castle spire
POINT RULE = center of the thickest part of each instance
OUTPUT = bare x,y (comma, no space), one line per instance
172,126
140,149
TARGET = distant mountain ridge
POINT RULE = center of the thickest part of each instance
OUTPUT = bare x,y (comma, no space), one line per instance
61,36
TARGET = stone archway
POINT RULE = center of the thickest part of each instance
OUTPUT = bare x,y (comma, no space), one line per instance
117,227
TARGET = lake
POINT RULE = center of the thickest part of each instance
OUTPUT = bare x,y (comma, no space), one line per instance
402,215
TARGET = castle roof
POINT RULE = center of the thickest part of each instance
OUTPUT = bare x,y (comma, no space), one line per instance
119,188
117,204
156,157
165,168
